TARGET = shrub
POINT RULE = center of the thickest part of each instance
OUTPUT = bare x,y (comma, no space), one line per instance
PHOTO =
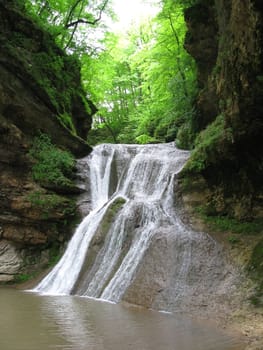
53,166
144,139
185,137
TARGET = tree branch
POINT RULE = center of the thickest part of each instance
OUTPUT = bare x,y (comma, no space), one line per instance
86,21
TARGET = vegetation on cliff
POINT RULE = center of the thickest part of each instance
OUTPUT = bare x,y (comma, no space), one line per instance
44,115
228,156
31,53
53,167
230,89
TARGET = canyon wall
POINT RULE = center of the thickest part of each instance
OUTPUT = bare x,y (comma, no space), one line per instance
225,39
41,93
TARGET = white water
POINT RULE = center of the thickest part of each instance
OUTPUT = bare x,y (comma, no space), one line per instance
144,176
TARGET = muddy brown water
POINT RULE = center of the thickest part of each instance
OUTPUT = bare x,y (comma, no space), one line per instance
29,321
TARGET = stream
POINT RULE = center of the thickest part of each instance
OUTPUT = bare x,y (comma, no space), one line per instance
29,321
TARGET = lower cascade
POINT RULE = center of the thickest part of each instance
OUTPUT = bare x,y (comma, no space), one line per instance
132,245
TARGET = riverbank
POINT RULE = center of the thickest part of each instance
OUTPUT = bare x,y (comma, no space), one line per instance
250,324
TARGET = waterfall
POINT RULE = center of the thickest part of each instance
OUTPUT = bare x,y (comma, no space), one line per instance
136,182
132,245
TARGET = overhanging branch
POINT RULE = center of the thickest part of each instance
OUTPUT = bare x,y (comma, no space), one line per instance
86,21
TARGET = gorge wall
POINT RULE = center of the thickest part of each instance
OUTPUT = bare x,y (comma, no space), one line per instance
41,92
222,182
225,39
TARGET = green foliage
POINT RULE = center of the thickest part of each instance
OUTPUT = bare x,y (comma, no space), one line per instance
41,200
54,255
44,69
242,227
255,267
185,136
257,299
23,277
233,239
49,70
110,214
144,82
144,139
50,73
227,224
67,122
210,144
48,203
70,22
53,166
260,78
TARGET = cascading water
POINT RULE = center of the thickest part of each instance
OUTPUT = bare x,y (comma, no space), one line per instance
132,203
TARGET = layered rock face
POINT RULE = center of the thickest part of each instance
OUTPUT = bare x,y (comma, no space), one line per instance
225,38
35,76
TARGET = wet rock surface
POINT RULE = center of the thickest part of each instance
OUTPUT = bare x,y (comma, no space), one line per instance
185,273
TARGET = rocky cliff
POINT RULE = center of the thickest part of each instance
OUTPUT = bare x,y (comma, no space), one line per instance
225,38
223,178
41,93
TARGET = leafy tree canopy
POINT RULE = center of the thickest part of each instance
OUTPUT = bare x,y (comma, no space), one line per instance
142,81
74,23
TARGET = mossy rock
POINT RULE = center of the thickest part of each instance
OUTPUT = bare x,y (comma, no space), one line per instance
255,269
52,206
31,53
108,219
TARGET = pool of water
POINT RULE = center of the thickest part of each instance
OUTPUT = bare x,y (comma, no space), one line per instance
30,321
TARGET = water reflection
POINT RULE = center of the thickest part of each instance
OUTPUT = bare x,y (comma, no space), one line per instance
32,322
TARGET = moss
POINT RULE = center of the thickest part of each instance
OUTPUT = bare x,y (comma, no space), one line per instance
110,215
32,54
47,72
255,268
54,255
260,78
233,239
225,223
256,261
233,225
67,122
48,203
185,137
210,146
24,277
